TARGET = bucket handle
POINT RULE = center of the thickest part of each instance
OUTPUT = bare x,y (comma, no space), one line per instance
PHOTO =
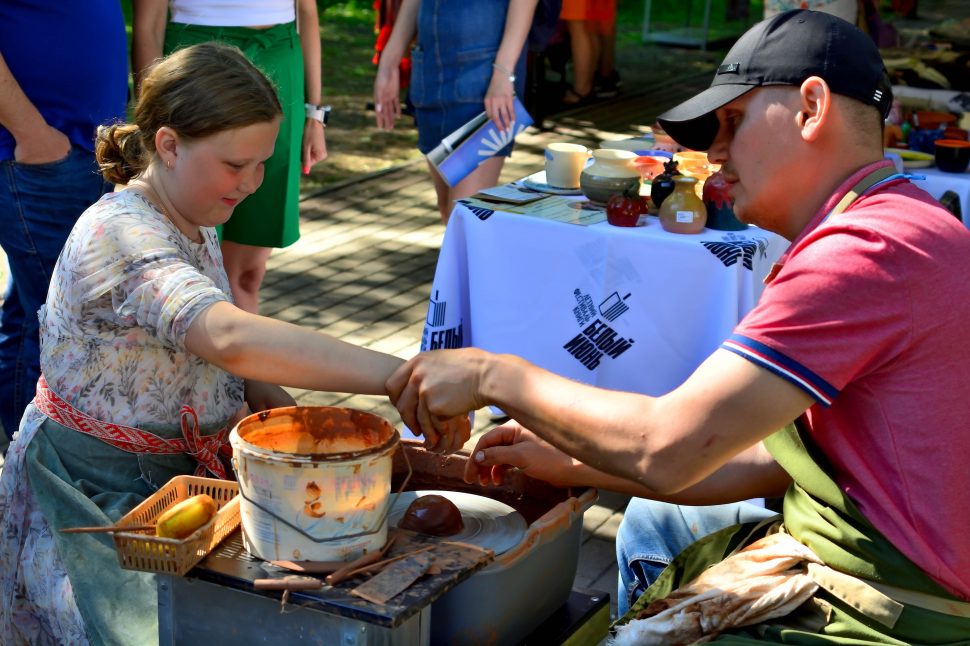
342,537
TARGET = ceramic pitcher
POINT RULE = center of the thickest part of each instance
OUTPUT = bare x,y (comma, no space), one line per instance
611,173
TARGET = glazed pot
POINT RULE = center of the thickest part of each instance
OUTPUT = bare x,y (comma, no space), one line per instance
720,209
683,211
663,184
612,173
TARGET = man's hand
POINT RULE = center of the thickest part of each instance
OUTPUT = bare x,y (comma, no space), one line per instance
514,446
434,387
43,146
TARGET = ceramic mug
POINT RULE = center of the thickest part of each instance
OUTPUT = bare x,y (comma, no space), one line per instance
564,163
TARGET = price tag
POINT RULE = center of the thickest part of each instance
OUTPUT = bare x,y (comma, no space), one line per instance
685,216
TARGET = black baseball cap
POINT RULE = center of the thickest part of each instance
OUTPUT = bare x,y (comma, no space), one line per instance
785,50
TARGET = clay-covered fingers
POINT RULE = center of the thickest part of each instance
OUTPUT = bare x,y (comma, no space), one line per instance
487,464
453,433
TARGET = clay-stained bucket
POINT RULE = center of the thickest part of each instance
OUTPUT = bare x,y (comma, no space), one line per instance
314,482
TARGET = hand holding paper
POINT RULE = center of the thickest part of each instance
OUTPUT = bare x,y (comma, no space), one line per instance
463,150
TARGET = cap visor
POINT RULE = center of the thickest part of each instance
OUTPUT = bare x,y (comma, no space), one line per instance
693,124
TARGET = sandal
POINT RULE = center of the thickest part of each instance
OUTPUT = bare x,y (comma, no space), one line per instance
574,98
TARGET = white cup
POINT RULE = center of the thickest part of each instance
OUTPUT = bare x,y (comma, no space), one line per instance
564,163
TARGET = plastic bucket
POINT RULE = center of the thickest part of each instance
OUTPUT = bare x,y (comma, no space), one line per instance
314,482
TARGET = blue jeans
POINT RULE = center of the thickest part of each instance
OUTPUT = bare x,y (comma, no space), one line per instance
39,204
653,533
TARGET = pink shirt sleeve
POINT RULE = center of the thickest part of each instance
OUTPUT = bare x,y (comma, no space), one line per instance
827,318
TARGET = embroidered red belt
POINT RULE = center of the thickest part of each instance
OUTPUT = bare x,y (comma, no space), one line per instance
204,448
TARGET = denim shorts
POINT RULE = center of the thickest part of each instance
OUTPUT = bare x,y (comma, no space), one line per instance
452,65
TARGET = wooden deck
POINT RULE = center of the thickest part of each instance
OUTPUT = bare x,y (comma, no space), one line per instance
363,268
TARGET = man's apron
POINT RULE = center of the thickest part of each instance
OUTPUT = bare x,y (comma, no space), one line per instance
891,600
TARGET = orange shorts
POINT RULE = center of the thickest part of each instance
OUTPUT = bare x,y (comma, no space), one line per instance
593,10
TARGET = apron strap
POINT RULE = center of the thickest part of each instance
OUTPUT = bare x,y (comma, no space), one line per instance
875,177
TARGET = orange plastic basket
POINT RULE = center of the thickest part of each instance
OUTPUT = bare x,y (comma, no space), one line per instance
149,553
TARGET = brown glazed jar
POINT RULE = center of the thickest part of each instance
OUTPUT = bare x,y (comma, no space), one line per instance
683,211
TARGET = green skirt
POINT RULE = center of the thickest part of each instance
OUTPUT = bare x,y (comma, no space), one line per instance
270,217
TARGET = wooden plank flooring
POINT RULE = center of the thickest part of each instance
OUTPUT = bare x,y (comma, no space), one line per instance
363,268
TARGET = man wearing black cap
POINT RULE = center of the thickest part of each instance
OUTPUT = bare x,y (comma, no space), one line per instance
855,350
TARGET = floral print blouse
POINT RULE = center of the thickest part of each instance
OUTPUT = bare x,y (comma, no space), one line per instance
126,288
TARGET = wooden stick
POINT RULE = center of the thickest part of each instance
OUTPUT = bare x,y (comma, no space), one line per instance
288,583
381,564
367,559
109,528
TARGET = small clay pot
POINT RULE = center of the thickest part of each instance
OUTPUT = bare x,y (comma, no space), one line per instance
952,155
663,184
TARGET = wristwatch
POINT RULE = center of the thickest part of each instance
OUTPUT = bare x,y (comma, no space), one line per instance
319,112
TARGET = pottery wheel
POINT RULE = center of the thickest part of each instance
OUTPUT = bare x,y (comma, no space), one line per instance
488,523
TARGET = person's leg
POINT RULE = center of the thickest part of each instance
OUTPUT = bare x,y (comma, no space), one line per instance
39,205
584,55
245,266
485,176
442,191
653,533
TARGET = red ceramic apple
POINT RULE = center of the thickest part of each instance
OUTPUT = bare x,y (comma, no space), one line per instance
625,209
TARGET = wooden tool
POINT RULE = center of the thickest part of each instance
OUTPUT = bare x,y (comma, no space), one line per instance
374,567
359,564
288,583
109,528
394,579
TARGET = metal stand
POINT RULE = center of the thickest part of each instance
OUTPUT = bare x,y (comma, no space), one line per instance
689,35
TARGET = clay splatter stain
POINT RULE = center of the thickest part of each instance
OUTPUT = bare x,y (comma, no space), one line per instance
313,491
314,510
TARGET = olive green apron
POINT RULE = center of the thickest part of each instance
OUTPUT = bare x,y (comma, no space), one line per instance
77,481
885,604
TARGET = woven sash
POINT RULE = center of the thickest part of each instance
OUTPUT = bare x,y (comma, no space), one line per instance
204,448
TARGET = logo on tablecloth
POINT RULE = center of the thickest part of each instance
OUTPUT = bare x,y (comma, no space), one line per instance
734,248
614,306
436,312
480,212
598,340
437,339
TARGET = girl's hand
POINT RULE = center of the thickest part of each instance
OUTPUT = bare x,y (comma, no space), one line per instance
262,396
387,91
499,100
314,144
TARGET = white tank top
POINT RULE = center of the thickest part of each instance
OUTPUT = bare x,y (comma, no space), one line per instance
233,13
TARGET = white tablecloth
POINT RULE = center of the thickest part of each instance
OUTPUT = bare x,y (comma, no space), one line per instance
937,183
634,309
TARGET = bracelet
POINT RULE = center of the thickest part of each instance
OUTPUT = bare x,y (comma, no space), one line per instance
319,113
502,69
